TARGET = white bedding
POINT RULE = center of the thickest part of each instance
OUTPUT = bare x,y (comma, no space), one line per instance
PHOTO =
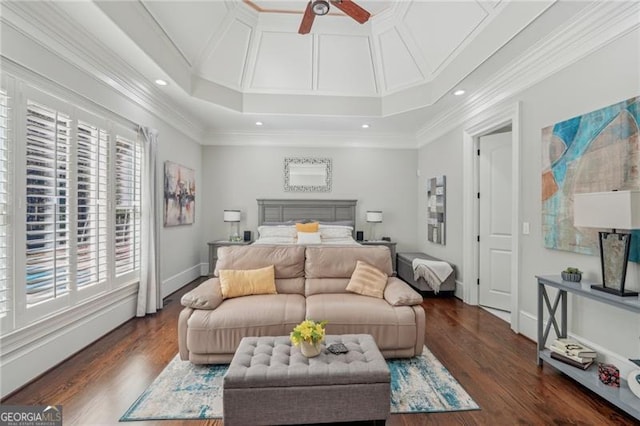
287,234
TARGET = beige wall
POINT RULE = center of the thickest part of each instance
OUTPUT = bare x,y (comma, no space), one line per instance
605,77
380,179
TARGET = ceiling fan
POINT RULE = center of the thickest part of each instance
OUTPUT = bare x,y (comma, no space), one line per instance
321,7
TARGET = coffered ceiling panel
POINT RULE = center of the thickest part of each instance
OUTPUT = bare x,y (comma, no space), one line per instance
225,64
284,61
439,28
203,18
345,65
399,67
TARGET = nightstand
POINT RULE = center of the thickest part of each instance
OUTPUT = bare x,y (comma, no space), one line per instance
213,251
392,249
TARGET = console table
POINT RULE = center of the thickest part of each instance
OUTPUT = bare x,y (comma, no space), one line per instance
621,397
213,251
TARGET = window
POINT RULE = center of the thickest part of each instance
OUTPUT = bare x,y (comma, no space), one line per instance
83,185
4,194
92,173
128,201
47,203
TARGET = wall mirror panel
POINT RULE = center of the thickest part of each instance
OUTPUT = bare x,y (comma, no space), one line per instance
307,174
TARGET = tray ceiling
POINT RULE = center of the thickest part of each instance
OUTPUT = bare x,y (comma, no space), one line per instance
231,63
247,55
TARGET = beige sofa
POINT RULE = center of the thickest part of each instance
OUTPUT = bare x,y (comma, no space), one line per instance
311,283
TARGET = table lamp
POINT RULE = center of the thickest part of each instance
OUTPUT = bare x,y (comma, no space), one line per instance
374,217
233,217
613,210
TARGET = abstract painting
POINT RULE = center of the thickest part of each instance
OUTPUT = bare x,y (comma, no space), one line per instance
595,152
179,195
436,217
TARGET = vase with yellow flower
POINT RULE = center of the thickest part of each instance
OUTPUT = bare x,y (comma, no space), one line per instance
309,335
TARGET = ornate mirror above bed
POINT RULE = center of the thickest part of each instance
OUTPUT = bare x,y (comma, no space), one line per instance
307,174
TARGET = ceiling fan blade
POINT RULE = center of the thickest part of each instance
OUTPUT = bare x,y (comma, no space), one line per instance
352,9
307,20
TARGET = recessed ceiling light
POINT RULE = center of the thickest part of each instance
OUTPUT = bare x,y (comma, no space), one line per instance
258,123
161,82
365,126
459,92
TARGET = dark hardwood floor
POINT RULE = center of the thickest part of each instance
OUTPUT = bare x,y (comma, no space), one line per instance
496,367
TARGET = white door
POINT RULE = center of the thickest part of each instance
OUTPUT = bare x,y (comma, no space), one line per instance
495,221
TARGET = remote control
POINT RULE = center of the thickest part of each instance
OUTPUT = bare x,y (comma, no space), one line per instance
338,348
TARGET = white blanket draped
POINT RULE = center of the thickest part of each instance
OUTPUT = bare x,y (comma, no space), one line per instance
434,272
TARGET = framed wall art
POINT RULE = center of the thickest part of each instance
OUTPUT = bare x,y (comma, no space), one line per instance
179,195
436,210
594,152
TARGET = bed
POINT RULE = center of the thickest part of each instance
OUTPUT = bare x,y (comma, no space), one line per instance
277,219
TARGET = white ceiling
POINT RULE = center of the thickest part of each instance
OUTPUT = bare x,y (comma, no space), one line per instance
230,63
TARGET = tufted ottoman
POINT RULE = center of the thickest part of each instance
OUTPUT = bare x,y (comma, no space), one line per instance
270,382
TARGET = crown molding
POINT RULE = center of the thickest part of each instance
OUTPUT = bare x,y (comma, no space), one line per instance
595,26
312,140
47,25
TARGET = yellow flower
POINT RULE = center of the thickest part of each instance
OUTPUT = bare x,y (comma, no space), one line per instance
309,331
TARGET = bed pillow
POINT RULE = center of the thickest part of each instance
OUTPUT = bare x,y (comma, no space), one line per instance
367,280
335,231
309,238
307,227
236,283
277,231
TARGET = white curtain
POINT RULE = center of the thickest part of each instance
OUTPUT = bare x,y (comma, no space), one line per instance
149,294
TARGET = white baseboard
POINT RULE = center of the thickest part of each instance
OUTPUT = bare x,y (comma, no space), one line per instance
36,357
529,328
179,280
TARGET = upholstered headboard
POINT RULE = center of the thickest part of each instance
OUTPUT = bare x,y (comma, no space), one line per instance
322,210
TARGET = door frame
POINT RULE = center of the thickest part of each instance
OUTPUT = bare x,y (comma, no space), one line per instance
485,123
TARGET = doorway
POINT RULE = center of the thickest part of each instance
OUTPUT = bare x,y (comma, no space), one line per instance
494,219
485,124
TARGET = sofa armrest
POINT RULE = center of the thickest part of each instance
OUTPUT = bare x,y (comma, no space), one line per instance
207,295
399,293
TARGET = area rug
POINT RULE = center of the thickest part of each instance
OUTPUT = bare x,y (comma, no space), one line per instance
187,391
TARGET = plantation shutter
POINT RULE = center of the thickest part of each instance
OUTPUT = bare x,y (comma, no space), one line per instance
4,195
92,172
128,181
47,215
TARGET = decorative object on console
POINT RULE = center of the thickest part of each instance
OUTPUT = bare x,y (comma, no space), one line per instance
572,274
233,217
596,151
373,217
179,195
359,236
613,210
309,335
436,214
247,236
307,174
609,374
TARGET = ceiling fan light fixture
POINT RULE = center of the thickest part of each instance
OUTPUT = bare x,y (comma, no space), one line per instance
320,7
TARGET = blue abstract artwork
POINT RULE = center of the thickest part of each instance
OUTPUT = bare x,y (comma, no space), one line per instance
597,151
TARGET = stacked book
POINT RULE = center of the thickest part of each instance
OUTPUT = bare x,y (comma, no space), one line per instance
573,353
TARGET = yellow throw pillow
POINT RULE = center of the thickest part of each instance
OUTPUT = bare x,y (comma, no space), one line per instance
307,227
236,283
367,280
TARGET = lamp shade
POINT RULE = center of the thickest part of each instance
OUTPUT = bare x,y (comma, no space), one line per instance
374,216
232,215
613,210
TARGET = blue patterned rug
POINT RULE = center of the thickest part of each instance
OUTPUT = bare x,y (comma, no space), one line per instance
187,391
